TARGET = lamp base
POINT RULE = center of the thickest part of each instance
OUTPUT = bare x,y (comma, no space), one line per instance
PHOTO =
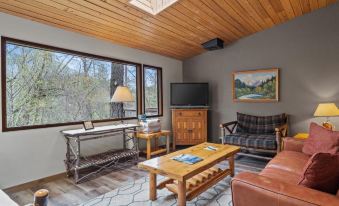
328,125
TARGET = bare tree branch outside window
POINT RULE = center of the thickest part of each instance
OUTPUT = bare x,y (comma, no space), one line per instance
50,87
151,91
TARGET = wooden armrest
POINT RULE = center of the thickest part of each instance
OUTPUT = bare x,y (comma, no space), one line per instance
281,128
223,125
229,126
280,133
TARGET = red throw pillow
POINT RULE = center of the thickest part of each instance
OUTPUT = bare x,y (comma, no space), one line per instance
321,140
321,173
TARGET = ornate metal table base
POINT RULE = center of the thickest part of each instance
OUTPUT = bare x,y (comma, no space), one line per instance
75,161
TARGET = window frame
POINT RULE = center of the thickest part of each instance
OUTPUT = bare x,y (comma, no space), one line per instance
159,88
5,40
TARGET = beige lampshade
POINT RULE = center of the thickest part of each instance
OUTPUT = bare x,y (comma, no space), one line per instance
326,110
122,94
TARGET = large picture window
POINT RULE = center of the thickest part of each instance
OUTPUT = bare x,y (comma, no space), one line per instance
152,85
46,86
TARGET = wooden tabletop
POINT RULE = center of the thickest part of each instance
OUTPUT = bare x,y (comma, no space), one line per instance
152,135
164,165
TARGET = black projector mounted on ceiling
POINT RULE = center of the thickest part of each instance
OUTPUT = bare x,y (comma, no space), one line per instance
213,44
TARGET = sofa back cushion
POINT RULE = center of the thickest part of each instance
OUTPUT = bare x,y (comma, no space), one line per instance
321,173
321,140
259,124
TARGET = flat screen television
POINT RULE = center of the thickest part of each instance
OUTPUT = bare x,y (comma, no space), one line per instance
189,94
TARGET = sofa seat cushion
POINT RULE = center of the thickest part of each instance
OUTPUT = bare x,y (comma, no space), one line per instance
257,141
281,175
289,161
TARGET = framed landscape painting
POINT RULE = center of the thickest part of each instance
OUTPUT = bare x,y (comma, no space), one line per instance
256,85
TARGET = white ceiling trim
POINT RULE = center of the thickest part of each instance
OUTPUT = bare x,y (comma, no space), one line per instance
152,6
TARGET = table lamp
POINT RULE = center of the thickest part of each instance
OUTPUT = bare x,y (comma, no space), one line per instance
122,94
327,110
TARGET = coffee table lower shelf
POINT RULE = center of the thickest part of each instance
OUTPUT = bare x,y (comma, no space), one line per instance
197,184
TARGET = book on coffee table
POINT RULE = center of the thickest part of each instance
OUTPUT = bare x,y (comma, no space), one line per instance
187,158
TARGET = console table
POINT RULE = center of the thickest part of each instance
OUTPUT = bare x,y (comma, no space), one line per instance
129,153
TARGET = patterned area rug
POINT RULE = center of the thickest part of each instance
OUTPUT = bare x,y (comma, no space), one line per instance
136,193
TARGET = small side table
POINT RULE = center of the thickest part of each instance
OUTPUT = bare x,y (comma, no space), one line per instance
301,135
149,136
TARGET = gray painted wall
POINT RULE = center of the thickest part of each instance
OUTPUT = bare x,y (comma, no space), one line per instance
305,49
33,154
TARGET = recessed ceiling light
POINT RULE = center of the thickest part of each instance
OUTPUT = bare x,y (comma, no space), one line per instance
152,6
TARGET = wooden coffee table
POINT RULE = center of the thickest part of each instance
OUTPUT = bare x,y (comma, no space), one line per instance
188,181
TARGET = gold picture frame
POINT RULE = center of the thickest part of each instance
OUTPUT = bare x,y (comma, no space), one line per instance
261,85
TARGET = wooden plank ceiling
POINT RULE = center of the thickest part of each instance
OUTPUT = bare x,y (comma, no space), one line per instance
177,32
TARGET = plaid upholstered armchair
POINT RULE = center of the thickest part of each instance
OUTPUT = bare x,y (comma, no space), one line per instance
261,134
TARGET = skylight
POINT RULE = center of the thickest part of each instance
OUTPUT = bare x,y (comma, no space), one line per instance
152,6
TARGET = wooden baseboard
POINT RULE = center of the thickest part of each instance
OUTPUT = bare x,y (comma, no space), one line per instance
34,183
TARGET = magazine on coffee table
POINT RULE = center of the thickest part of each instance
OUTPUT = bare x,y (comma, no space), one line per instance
187,158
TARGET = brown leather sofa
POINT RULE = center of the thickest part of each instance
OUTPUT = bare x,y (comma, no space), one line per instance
277,184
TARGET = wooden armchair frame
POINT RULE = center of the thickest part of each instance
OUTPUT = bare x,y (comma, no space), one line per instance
280,133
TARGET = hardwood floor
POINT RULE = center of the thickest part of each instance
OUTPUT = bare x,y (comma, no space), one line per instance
65,192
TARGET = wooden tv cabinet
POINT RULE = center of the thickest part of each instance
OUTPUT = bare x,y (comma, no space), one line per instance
189,126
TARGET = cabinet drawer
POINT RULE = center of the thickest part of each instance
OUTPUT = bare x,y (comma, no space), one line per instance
189,113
